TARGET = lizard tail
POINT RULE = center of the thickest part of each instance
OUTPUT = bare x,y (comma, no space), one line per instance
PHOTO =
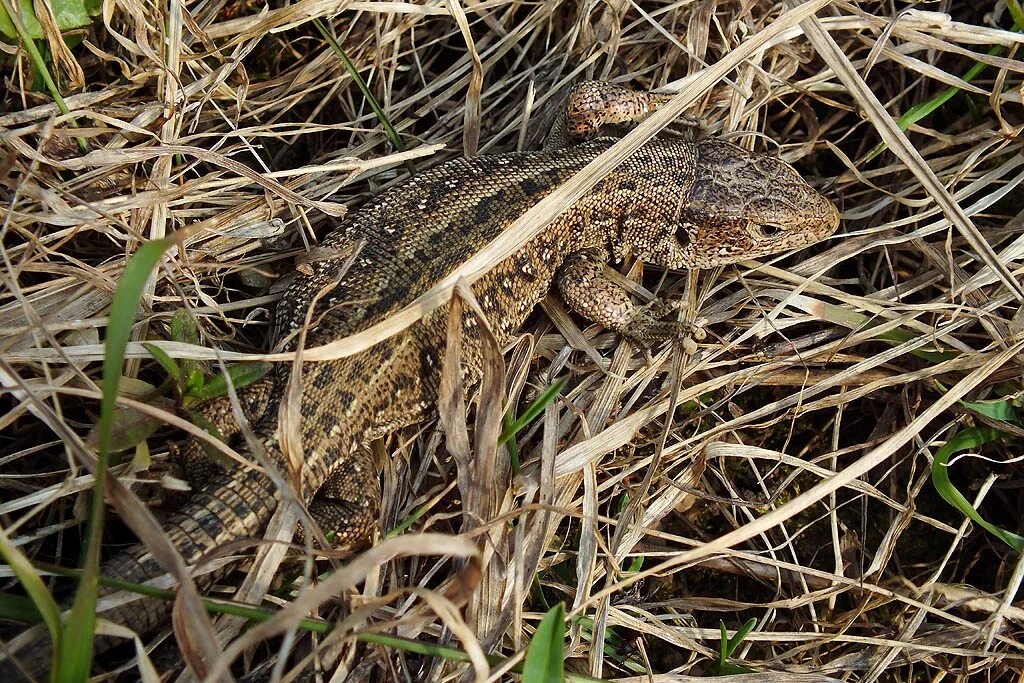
225,510
229,508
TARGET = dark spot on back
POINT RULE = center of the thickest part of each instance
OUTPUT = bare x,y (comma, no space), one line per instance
488,206
326,422
530,187
323,378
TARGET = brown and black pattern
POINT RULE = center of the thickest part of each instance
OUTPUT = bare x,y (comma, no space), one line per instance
676,204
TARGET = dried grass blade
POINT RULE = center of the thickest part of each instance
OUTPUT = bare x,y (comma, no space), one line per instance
898,143
826,487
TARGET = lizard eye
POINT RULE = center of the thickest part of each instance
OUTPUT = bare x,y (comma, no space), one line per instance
768,230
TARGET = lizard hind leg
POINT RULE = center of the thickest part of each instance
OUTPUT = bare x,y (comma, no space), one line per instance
199,461
347,506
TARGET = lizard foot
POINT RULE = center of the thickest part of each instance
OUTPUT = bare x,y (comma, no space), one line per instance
649,325
347,506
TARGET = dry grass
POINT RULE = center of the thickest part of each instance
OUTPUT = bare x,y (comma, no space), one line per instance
781,472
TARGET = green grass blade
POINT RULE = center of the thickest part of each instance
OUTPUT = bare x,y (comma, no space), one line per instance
1016,13
74,656
545,656
169,365
1002,410
242,375
185,330
511,444
201,421
536,408
728,646
39,597
40,64
738,637
920,111
19,608
22,609
968,439
389,129
898,335
409,520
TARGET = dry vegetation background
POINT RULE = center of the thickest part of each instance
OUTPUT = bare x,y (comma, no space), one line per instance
792,483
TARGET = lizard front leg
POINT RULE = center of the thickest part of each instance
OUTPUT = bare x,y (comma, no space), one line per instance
588,290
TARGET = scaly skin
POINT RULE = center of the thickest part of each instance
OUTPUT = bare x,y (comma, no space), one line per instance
676,204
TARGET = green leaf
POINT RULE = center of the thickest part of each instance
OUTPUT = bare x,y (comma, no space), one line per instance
533,410
512,427
199,420
185,330
1017,13
545,656
919,111
14,23
378,111
130,428
21,608
183,327
242,374
195,382
856,321
1003,410
166,362
70,14
409,520
738,637
728,647
968,439
73,657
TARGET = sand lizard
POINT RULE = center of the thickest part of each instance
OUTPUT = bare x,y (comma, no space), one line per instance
676,204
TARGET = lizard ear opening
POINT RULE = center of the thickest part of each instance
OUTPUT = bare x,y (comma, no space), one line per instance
683,234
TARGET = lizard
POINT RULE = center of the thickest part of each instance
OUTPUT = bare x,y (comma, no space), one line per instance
678,204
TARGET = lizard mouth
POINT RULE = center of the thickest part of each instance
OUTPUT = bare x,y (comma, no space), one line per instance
833,219
826,221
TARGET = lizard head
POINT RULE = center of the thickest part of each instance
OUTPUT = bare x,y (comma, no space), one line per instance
739,205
